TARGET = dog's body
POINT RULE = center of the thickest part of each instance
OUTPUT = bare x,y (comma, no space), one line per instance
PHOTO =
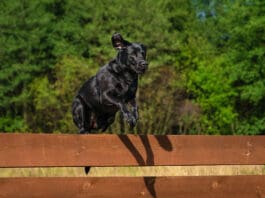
111,89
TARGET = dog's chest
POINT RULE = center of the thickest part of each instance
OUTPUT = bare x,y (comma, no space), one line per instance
126,91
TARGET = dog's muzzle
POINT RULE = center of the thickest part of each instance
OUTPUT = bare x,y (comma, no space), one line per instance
142,66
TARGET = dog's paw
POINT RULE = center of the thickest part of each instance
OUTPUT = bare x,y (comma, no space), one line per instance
83,131
130,119
132,122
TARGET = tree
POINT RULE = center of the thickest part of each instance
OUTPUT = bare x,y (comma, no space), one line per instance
245,54
233,74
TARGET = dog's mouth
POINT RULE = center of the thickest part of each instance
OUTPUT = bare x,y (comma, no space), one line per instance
142,67
142,71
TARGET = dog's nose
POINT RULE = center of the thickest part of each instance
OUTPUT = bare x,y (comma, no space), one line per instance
143,64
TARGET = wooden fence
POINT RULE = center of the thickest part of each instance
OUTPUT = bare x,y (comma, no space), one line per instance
42,150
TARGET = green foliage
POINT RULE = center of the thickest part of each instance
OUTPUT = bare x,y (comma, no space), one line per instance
214,94
245,58
206,74
229,83
12,125
51,109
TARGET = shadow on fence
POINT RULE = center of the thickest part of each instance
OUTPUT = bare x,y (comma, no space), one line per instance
163,142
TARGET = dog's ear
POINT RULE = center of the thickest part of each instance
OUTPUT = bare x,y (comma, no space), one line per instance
144,49
118,42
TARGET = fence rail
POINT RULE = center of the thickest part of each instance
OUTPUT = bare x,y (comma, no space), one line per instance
42,150
133,187
34,150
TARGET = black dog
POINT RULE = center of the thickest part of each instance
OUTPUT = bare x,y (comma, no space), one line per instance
111,89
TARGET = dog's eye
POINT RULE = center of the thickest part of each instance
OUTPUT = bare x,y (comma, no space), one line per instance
143,54
132,60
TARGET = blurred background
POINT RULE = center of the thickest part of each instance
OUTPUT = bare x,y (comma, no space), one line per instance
206,73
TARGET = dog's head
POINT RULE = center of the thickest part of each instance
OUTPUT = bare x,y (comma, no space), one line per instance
130,55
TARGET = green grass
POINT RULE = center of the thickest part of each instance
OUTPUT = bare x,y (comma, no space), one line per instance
135,171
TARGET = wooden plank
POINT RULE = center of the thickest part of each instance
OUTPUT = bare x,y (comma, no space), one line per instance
191,186
42,150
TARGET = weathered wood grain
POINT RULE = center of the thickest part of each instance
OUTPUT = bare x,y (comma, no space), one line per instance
42,150
133,187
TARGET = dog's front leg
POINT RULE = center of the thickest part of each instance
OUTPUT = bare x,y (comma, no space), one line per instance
128,116
123,108
134,109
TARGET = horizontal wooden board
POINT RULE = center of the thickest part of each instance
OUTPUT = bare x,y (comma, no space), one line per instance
132,187
43,150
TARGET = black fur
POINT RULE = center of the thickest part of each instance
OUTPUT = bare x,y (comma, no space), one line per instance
111,89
